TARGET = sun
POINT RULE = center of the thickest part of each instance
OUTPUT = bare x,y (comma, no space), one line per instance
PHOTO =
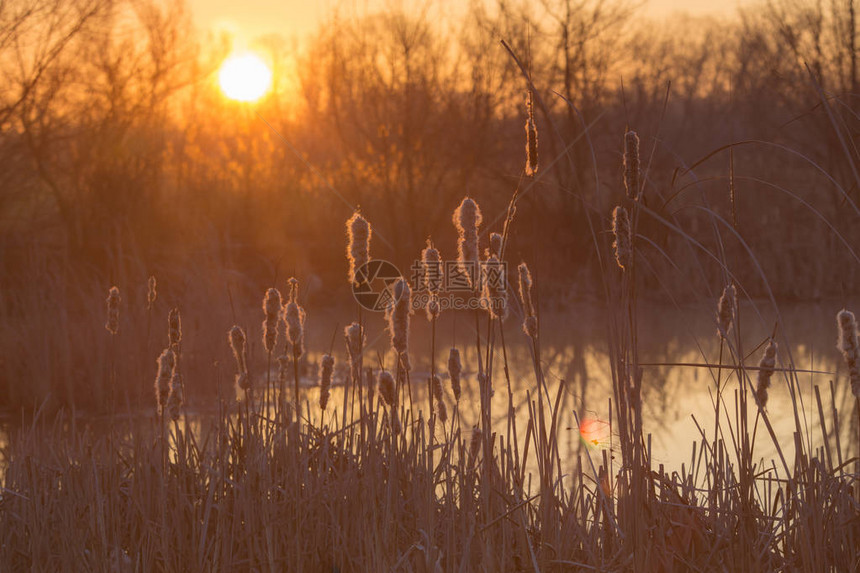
244,77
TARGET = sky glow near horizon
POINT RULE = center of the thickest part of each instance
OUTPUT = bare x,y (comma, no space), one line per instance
298,18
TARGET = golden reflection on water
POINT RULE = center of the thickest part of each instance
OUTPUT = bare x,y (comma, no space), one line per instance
577,368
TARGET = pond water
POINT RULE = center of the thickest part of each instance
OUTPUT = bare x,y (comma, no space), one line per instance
674,347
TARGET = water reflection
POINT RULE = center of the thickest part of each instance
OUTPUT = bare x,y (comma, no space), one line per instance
575,362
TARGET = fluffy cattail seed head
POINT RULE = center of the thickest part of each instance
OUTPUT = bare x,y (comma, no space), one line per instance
531,138
436,385
398,317
358,247
766,366
475,444
405,365
387,387
354,345
174,328
848,345
113,300
441,411
271,308
433,307
847,323
177,395
236,337
455,368
631,165
623,243
354,340
326,369
496,245
294,316
283,370
439,398
166,363
467,219
369,383
494,288
243,382
530,326
530,319
726,311
432,268
526,289
151,293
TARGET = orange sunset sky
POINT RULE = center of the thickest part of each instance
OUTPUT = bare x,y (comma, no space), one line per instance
249,19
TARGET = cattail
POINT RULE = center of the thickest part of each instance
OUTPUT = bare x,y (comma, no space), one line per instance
237,344
467,219
326,369
369,384
496,245
454,371
358,247
386,387
354,335
530,326
530,320
441,410
475,444
531,138
432,275
174,328
494,288
243,381
726,311
294,315
398,317
113,301
631,165
849,347
431,279
405,365
283,370
151,293
433,307
526,289
623,243
766,366
272,308
177,395
436,385
166,362
354,341
431,263
354,344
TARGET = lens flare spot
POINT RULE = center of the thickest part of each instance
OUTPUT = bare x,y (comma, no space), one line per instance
594,433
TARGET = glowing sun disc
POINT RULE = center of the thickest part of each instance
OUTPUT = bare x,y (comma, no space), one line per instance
244,77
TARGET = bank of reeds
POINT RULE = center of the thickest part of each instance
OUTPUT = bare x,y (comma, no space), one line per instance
386,484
